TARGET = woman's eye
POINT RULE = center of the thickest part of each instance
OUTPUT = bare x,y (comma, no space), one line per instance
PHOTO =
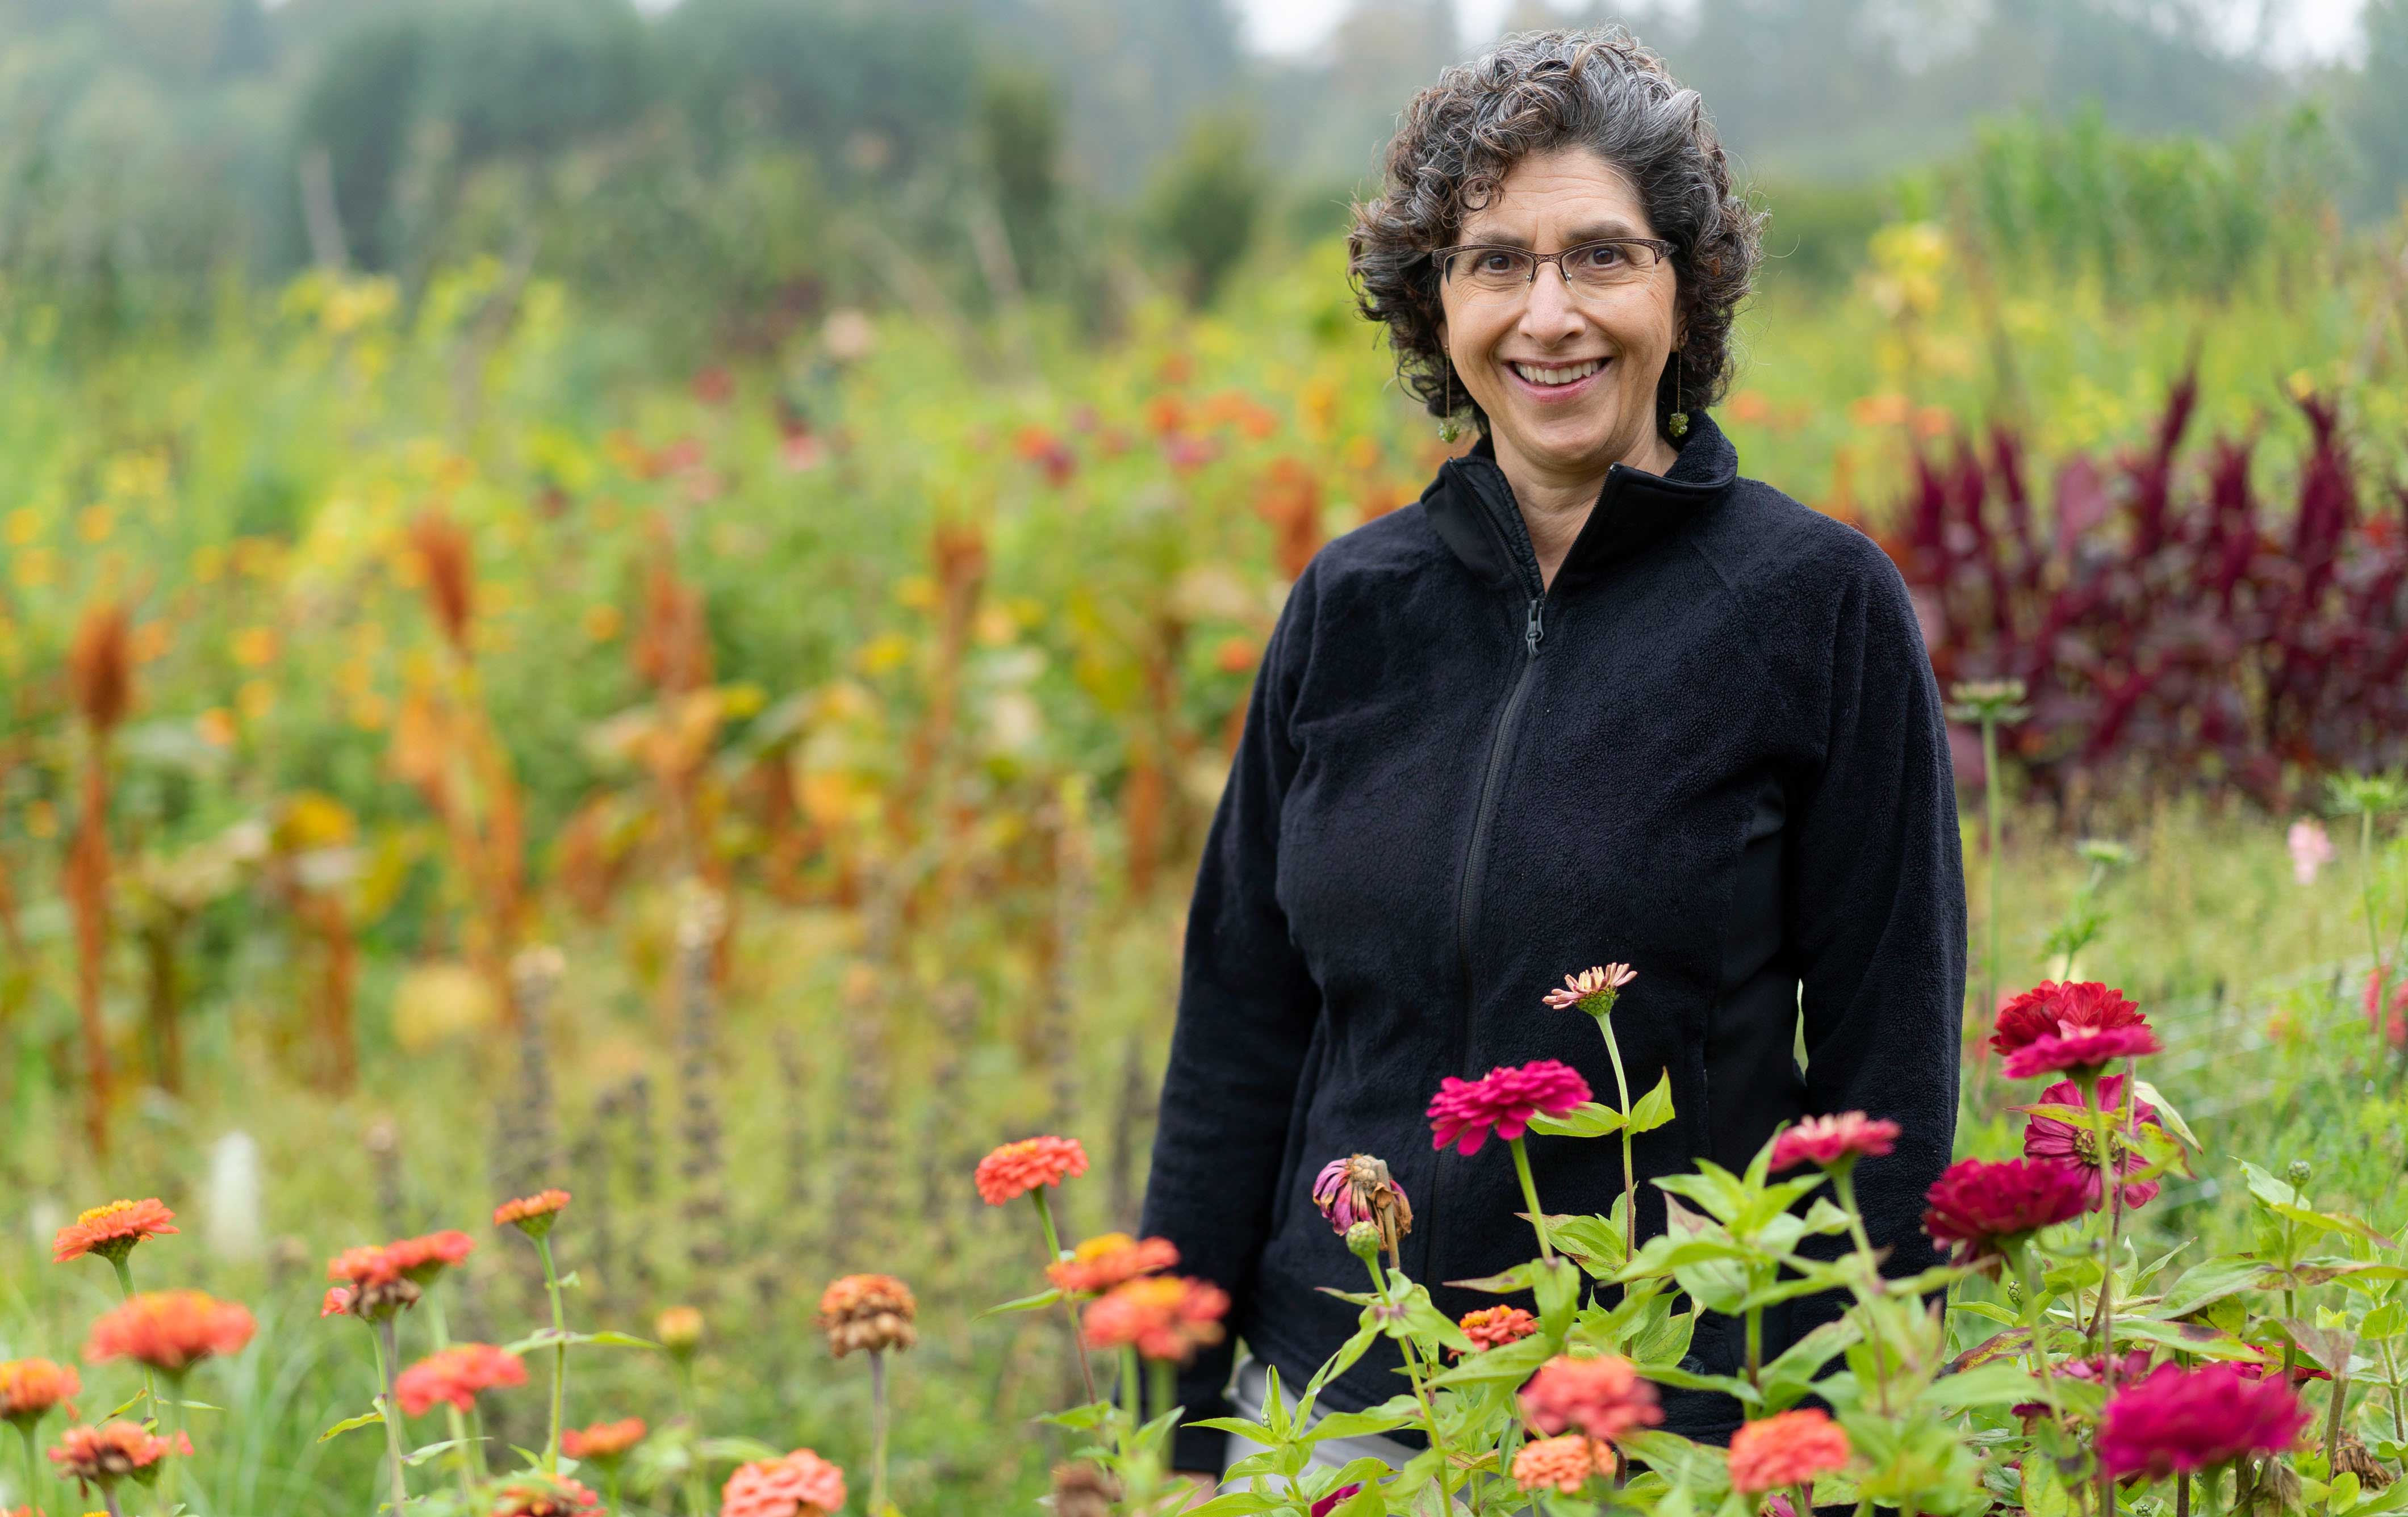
1496,262
1602,255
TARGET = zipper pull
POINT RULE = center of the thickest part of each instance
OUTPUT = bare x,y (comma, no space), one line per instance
1535,629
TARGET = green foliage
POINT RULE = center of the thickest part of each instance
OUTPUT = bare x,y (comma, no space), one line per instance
1205,203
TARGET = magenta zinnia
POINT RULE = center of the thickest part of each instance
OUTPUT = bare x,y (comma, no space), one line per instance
1464,1111
2079,1051
1980,1206
2047,1137
2050,1008
1832,1140
2185,1420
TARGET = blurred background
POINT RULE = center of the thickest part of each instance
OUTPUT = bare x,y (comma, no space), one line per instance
653,598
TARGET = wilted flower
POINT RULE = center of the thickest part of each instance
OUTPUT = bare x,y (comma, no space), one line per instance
104,1455
171,1331
867,1311
541,1495
1084,1490
1013,1170
801,1484
2047,1137
2049,1008
2310,848
532,1215
1833,1140
1163,1316
421,1259
679,1328
112,1230
29,1388
2181,1419
1789,1448
1101,1263
1564,1464
1464,1111
2080,1050
1359,1188
1593,990
603,1442
1980,1206
1602,1397
457,1375
374,1286
1493,1327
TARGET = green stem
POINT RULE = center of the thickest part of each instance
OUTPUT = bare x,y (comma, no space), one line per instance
1629,1176
609,1488
2111,1197
2333,1429
2035,1320
559,1357
2392,1378
1756,1347
1989,869
877,1433
1133,1416
32,1460
1417,1375
171,1421
125,1289
1530,1195
1070,1314
697,1493
464,1449
388,1407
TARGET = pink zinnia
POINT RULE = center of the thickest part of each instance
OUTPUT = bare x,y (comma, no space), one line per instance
2046,1138
1602,1397
1464,1112
2394,1028
2181,1419
1833,1140
2310,848
1013,1170
1579,990
1331,1502
801,1484
2087,1049
1979,1206
1789,1448
2049,1008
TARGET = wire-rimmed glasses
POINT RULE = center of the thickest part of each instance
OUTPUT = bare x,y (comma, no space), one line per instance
1499,268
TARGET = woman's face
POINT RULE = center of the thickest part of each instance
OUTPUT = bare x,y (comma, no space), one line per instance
1527,354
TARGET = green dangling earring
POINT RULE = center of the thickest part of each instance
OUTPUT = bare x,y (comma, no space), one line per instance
1450,431
1678,422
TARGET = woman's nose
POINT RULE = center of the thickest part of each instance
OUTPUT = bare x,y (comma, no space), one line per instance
1549,314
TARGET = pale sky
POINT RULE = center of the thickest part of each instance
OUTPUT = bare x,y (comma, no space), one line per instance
2323,28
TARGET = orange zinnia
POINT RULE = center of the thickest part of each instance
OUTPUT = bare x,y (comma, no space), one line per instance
1493,1327
29,1388
1163,1316
1115,1259
171,1331
457,1375
102,1456
1563,1462
531,1214
111,1231
421,1259
542,1496
1014,1170
1789,1448
603,1442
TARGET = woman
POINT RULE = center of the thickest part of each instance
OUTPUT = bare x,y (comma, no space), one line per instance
1594,697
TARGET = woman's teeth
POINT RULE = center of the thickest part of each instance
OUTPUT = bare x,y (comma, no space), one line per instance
1558,376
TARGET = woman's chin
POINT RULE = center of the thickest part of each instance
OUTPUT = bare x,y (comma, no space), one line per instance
1567,446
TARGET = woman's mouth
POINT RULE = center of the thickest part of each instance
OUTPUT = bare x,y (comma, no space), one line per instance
1557,381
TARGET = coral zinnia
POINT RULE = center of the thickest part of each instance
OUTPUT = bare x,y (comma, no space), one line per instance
457,1375
1789,1448
1359,1188
171,1331
1165,1316
1335,1499
2394,1027
1564,1464
29,1388
1112,1259
867,1311
532,1215
1493,1327
603,1441
1833,1140
421,1259
2079,1051
2046,1138
111,1231
1014,1170
541,1495
1464,1111
2050,1008
1603,1398
375,1287
104,1455
1980,1206
2181,1419
801,1484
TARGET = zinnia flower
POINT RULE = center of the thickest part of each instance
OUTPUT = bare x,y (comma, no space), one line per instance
1493,1327
867,1311
541,1495
603,1442
2079,1051
1564,1464
1833,1140
375,1287
2310,848
2050,1008
1464,1111
336,1303
1014,1170
1100,1264
1593,990
457,1375
2181,1419
1336,1499
171,1331
104,1455
1980,1206
1165,1316
1789,1448
29,1388
679,1328
1602,1397
532,1215
1359,1188
801,1484
2394,1027
2047,1137
421,1259
111,1231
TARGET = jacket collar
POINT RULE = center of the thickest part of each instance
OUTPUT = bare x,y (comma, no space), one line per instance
1472,510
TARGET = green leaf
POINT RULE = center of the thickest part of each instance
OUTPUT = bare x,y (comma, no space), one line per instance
1590,1119
1684,1379
1511,1364
1386,1417
1654,1109
728,1451
1081,1419
1519,1278
2188,1336
1990,1310
1687,1464
1558,1293
1251,1432
571,1281
366,1418
419,1456
2208,1282
1026,1303
1995,1385
620,1341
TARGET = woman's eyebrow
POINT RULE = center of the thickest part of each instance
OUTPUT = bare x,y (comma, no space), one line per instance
1592,232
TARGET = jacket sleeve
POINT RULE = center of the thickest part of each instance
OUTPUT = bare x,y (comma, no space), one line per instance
1246,1013
1879,911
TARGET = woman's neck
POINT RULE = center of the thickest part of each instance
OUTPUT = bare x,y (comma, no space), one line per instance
1556,506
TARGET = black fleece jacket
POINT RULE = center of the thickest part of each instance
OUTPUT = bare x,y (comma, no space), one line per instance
1713,748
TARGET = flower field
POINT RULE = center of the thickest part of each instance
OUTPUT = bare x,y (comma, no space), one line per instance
578,905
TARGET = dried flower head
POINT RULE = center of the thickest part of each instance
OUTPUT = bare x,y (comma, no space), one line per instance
1165,1316
1602,1397
100,665
1834,1140
2181,1419
458,1375
1013,1170
2082,1051
1112,1259
873,1312
1493,1327
104,1455
542,1496
679,1328
29,1388
2077,1144
532,1215
1789,1448
1359,1188
1084,1490
371,1281
2050,1008
1464,1111
605,1443
1978,1206
451,577
171,1331
112,1230
801,1484
1593,991
1561,1464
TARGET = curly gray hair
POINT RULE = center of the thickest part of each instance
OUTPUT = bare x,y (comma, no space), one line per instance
1535,92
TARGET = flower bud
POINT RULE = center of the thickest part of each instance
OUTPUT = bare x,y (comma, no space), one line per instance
680,1330
1363,1239
2299,1172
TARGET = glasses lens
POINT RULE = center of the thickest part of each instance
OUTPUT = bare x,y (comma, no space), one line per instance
1603,263
1493,269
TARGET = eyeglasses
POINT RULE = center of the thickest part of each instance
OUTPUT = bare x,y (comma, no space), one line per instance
1495,268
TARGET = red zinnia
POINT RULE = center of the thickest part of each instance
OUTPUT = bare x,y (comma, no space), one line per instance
104,1455
1979,1206
2181,1419
1165,1316
111,1231
2046,1138
1331,1502
603,1441
1493,1327
29,1388
421,1259
2395,1026
1014,1170
532,1215
1602,1397
2049,1008
1789,1448
1114,1259
801,1484
2079,1050
1833,1140
1464,1112
457,1375
171,1331
547,1496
